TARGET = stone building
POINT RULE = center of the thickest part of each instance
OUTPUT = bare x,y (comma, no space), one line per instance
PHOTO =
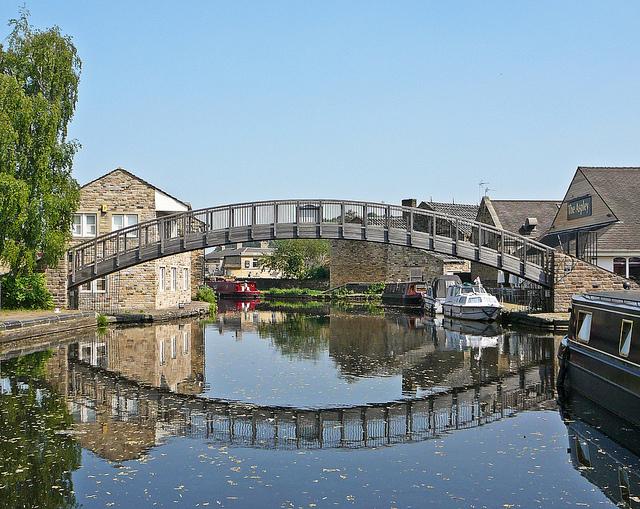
117,200
529,218
355,261
241,260
599,219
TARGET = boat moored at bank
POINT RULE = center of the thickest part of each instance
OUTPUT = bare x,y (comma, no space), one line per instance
408,293
471,302
599,357
242,290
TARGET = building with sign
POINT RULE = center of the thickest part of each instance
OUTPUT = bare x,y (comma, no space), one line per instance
599,219
529,218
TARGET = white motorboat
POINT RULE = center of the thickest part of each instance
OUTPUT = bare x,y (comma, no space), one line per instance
471,302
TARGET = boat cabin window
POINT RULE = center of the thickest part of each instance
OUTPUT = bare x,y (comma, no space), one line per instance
584,326
626,330
462,299
474,300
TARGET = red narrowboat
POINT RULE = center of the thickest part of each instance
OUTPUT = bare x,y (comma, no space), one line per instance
242,290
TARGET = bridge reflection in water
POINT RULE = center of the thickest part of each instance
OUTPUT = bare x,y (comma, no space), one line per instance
133,387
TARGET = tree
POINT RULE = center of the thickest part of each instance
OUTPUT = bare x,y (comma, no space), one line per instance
39,75
298,259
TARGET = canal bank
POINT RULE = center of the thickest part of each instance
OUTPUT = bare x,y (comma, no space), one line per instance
16,325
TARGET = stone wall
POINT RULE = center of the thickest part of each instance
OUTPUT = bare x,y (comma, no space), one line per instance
197,271
367,262
135,288
572,276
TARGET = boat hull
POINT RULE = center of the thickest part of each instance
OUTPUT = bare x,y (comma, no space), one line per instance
610,382
482,313
403,300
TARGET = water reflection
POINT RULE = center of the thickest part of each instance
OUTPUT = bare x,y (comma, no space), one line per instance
366,381
605,449
36,458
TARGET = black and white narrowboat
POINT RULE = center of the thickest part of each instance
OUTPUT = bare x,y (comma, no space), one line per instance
600,357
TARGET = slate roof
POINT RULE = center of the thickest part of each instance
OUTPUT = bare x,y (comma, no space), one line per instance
463,210
512,215
620,190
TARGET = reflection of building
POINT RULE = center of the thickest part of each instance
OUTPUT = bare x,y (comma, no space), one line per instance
114,423
117,200
240,261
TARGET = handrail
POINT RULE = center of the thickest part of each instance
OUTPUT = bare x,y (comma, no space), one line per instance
424,212
380,222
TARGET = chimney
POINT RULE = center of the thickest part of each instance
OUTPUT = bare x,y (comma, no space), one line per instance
409,202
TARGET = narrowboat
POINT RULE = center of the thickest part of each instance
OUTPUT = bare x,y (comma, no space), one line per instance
408,293
242,290
600,356
471,302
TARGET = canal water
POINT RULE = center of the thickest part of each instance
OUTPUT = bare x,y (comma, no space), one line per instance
315,407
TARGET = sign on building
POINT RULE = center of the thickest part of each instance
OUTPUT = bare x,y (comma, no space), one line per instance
579,207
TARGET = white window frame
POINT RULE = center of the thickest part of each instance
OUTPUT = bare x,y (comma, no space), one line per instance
174,279
161,279
185,278
127,220
579,324
174,347
623,342
84,226
93,286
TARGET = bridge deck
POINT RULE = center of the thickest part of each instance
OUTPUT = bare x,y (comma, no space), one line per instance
311,219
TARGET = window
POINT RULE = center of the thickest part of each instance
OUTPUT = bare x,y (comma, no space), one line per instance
119,221
174,349
620,266
185,278
634,268
161,279
626,330
83,225
584,326
247,264
174,278
255,263
96,286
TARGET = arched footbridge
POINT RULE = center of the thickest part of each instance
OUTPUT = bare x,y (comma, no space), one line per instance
310,219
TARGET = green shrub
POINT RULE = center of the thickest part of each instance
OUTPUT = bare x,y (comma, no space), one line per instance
375,289
25,292
102,321
293,291
207,294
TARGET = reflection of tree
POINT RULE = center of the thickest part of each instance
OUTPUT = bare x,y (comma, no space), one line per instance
298,336
364,345
35,460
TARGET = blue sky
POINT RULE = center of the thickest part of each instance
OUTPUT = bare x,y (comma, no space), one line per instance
219,102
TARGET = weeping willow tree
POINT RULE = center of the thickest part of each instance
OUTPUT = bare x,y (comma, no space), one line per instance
39,76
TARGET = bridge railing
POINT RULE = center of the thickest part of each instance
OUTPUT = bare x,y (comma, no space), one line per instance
317,219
